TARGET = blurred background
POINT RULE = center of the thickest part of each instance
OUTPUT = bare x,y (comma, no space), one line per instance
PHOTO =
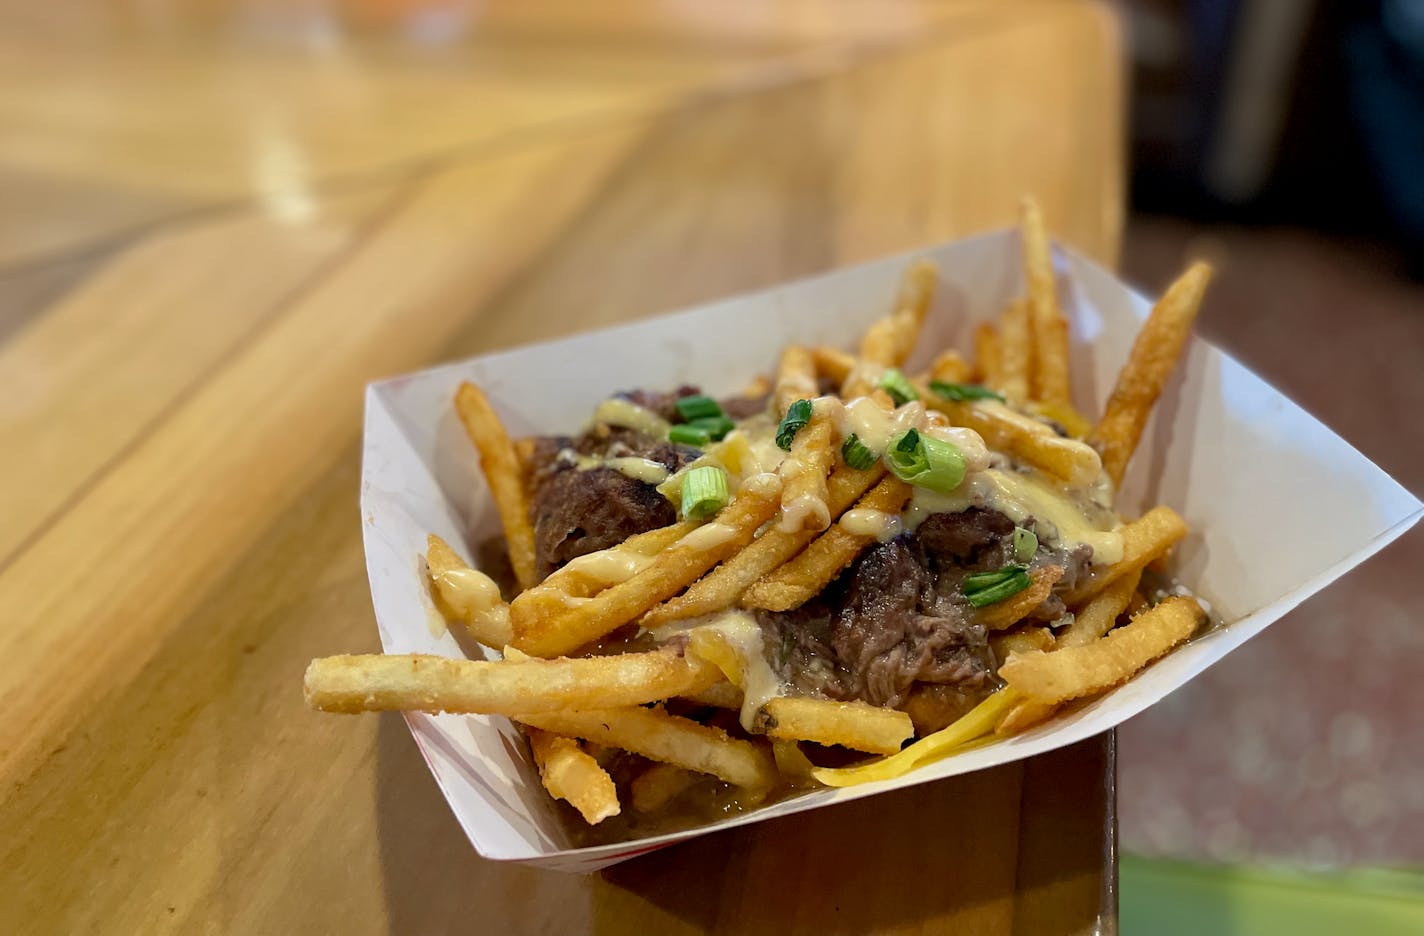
1283,139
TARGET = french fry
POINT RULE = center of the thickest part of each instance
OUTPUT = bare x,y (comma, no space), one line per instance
855,725
1094,620
1015,351
668,739
803,478
421,683
1078,671
1028,637
669,572
976,723
1098,616
571,775
1024,714
795,378
1143,540
802,578
1154,355
933,706
1007,613
505,475
832,363
791,762
889,341
950,367
722,695
1069,460
588,575
659,785
988,365
469,593
724,585
1049,327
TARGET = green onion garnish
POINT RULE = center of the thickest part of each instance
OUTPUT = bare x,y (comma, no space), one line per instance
798,415
716,427
959,392
856,454
1025,544
704,492
986,588
926,462
901,390
697,407
688,434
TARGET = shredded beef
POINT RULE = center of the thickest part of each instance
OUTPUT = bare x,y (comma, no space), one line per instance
960,538
741,407
577,512
664,404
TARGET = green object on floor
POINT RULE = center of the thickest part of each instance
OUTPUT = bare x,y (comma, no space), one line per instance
1168,898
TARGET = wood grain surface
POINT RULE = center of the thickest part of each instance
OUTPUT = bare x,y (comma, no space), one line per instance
218,223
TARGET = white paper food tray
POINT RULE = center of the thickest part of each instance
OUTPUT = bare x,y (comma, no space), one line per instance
1279,506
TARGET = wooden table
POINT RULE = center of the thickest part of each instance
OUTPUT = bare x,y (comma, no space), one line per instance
217,225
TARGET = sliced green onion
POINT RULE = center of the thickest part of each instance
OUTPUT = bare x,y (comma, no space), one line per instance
716,427
901,390
926,462
1012,584
704,492
959,392
977,580
1025,544
697,407
797,416
689,435
857,454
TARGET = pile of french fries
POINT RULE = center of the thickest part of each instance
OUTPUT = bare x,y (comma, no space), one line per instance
778,542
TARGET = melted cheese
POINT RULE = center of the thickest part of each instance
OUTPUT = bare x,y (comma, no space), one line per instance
863,521
639,469
751,673
802,508
708,536
875,425
616,411
609,566
474,596
1061,519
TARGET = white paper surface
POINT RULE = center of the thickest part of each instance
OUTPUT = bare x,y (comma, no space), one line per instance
1279,505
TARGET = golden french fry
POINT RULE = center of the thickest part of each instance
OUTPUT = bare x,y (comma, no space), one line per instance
421,683
802,578
669,739
659,785
889,341
1028,637
469,593
1007,613
932,706
988,365
721,587
761,384
855,725
1143,540
670,571
832,363
1015,351
1072,461
1098,616
950,367
976,723
1048,325
1065,415
1071,672
571,775
1024,715
1154,355
505,476
722,695
803,478
795,378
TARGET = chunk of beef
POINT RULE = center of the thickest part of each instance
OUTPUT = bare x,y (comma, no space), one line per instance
579,511
664,404
961,538
896,628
